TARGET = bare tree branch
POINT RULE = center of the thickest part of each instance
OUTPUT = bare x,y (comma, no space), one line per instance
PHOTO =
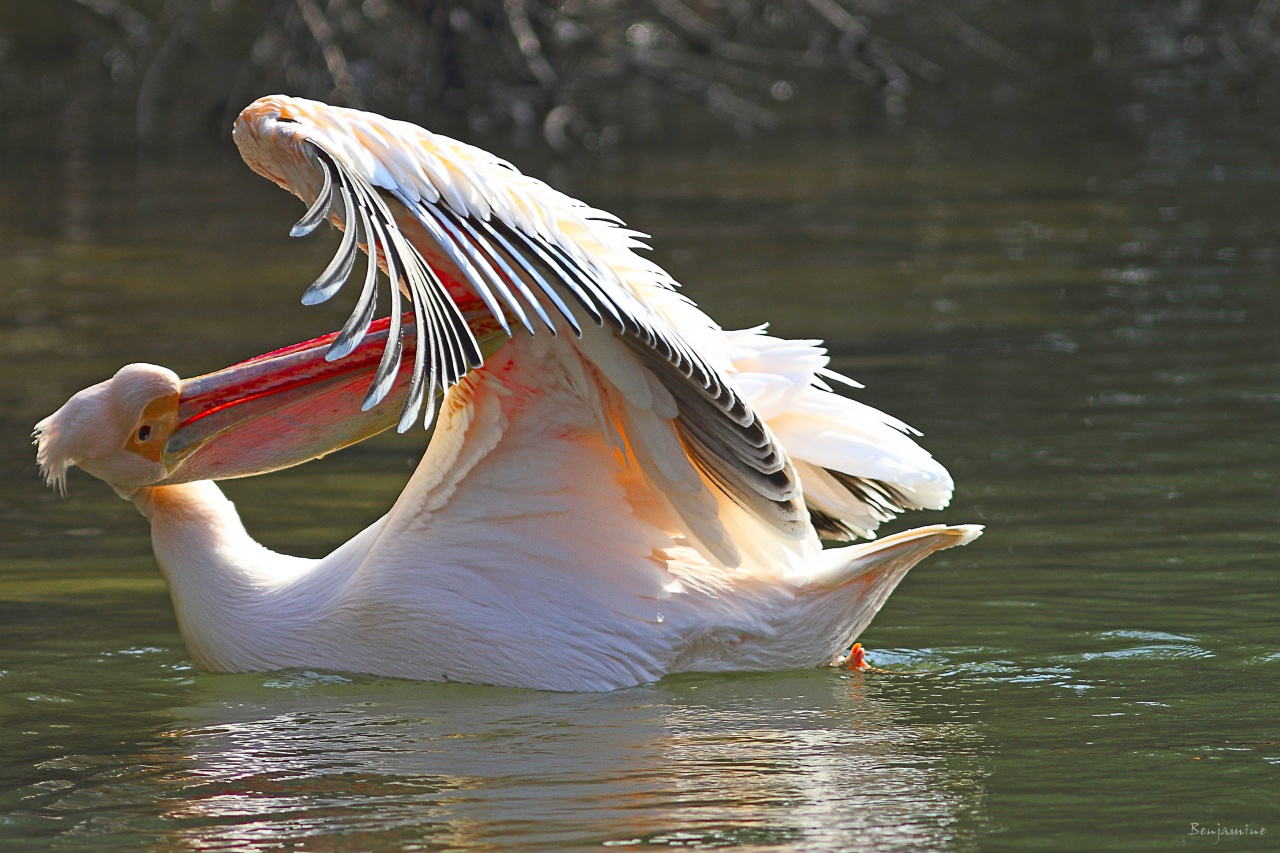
530,46
343,83
984,44
137,26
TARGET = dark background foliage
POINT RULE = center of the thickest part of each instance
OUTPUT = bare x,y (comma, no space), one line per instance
588,74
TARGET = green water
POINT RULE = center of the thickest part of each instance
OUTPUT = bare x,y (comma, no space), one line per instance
1084,330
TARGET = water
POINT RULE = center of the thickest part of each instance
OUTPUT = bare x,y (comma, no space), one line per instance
1085,331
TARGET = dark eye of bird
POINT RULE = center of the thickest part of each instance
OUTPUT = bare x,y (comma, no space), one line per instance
144,432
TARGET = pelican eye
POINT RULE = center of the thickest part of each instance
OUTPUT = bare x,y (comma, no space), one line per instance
144,432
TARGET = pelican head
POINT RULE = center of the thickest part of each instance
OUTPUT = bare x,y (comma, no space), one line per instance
115,430
146,427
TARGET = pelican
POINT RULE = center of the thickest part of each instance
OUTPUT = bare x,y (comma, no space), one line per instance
616,488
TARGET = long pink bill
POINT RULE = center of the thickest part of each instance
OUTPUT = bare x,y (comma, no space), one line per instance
282,409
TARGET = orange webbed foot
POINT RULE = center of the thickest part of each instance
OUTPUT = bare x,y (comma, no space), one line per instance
857,661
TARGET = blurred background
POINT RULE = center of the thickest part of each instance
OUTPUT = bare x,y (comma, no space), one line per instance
591,74
1045,233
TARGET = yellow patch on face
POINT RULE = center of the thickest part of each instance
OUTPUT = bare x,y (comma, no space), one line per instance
159,420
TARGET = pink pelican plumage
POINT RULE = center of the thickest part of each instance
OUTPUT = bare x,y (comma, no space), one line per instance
616,488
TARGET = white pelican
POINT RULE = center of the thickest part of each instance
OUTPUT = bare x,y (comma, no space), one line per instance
616,488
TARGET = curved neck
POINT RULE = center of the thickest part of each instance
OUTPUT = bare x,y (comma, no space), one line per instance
222,582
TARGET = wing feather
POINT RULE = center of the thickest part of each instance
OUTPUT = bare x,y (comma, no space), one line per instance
390,362
859,466
447,349
339,269
504,246
509,234
357,326
318,210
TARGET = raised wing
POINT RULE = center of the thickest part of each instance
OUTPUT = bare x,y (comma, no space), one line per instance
449,222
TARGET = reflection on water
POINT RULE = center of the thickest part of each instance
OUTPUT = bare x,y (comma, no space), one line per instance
1085,331
255,762
690,760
